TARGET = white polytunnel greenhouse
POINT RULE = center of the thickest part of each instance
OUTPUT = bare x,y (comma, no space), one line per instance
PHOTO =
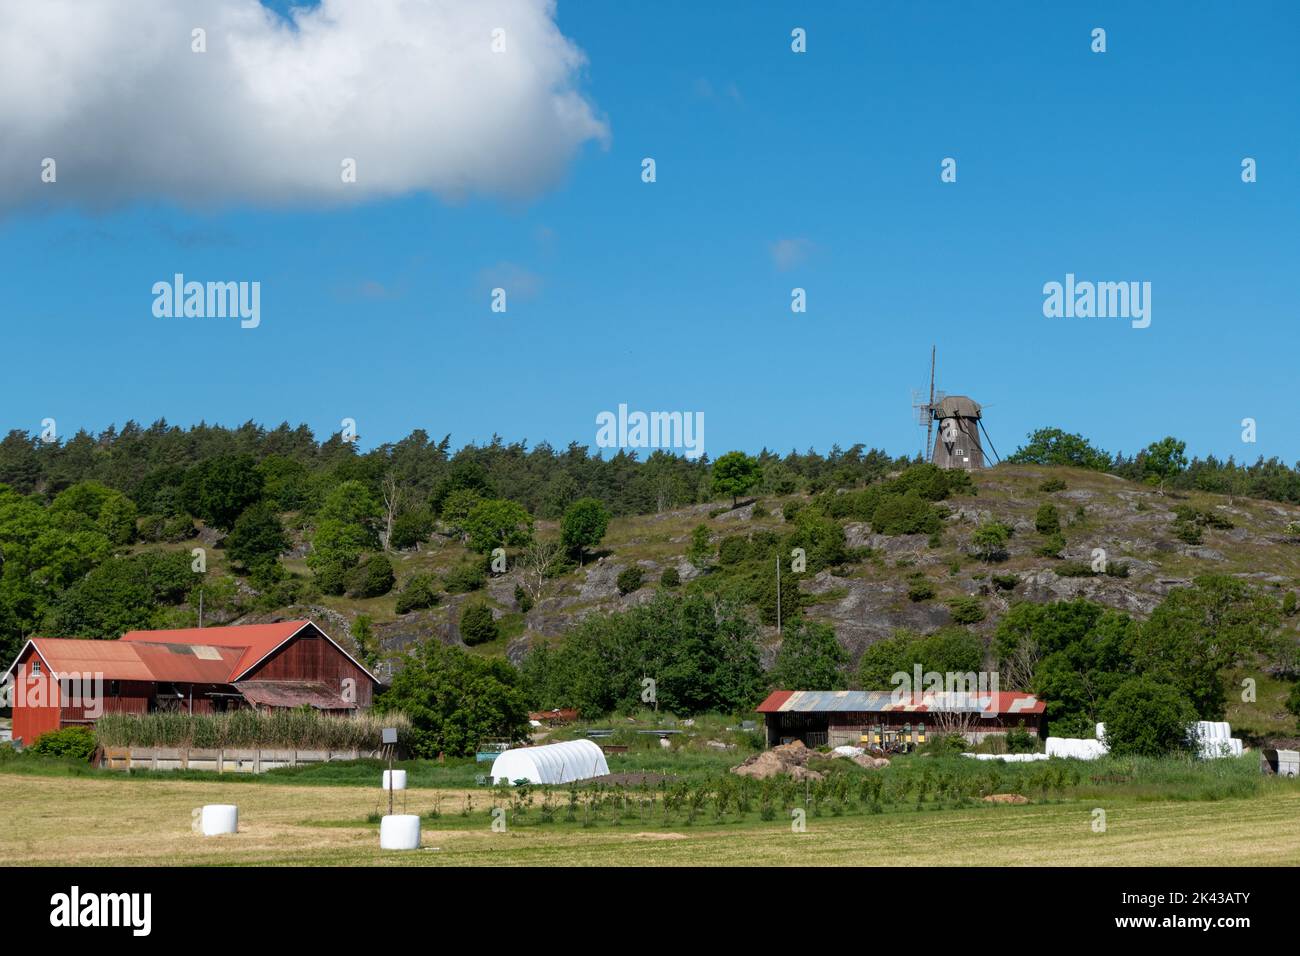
551,763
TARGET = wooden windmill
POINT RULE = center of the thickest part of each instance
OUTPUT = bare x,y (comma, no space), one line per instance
960,421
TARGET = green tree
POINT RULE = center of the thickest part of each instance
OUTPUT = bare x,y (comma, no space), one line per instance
700,552
989,541
584,525
477,625
373,577
363,634
455,700
1163,460
734,474
1053,446
1200,633
1146,717
257,539
1047,520
810,658
947,650
498,523
220,488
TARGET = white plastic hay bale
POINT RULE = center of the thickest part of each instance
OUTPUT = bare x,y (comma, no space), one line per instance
220,818
394,779
1077,747
1101,731
399,831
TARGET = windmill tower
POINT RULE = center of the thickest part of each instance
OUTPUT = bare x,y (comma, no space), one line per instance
960,421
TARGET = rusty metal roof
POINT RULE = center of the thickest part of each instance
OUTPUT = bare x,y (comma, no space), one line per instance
189,663
276,693
883,701
255,641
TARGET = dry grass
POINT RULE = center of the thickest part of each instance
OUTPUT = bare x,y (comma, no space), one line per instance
91,822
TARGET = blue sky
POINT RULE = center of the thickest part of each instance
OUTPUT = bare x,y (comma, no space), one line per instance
669,296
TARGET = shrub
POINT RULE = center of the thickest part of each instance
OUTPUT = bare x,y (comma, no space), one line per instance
906,514
465,577
75,742
733,549
629,579
670,578
1020,741
1005,582
920,591
1052,545
417,593
523,600
477,625
1075,569
966,610
759,511
371,578
1052,484
990,540
1047,521
411,528
790,510
1146,717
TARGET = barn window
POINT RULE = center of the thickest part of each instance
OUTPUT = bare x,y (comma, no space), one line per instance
113,688
36,668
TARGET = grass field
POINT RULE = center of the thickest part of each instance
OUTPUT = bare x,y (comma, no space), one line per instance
115,820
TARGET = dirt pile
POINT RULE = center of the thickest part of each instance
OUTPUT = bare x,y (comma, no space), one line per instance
786,760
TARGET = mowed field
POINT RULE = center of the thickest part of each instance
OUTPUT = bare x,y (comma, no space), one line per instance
90,822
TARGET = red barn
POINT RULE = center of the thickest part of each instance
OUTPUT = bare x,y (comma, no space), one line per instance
60,682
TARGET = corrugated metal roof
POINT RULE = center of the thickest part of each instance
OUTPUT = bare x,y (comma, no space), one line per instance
882,701
256,640
113,659
185,664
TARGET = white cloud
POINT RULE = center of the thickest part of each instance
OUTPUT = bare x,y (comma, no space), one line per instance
788,253
410,89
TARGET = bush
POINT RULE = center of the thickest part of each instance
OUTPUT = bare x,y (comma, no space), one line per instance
1047,521
1187,532
411,528
1052,484
1052,545
906,514
790,510
417,593
523,600
1020,741
733,549
371,578
465,577
629,579
920,591
990,540
477,625
75,742
1146,717
670,578
1005,582
966,610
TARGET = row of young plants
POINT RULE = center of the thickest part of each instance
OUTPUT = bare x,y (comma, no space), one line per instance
730,798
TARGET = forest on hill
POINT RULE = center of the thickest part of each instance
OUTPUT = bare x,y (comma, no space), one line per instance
560,578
